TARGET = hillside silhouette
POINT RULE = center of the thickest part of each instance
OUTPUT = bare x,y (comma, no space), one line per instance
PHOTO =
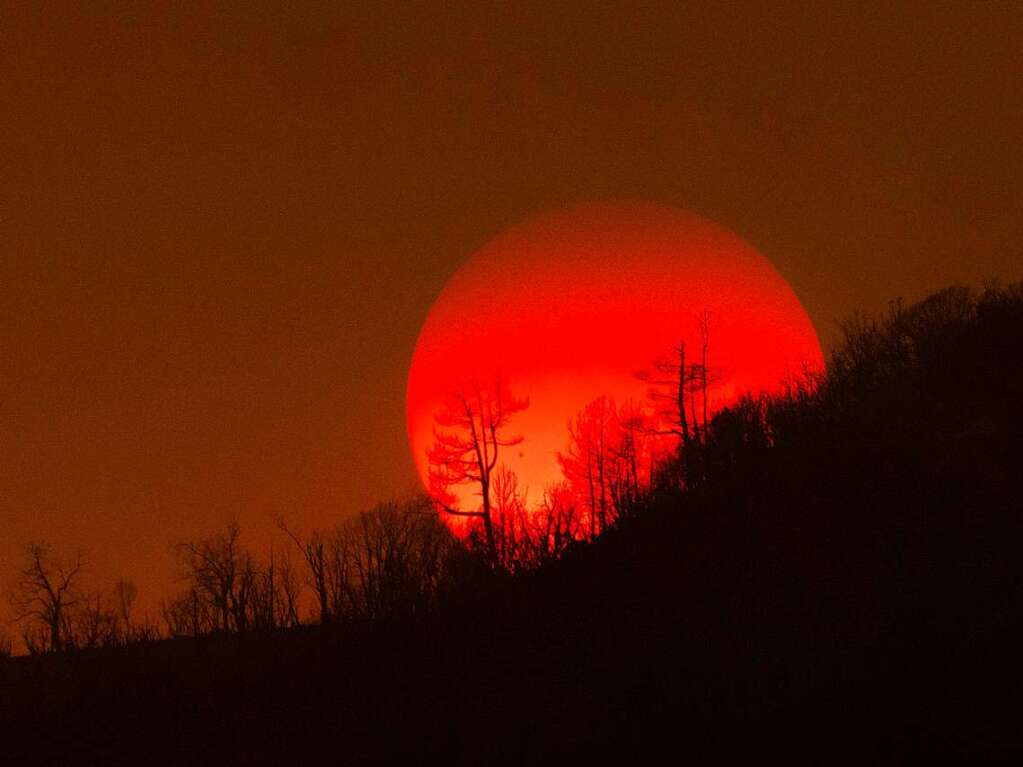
833,574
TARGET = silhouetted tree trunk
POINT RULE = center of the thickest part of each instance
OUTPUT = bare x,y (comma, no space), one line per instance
474,419
669,383
314,552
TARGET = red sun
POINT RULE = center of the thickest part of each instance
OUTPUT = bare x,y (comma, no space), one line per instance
570,305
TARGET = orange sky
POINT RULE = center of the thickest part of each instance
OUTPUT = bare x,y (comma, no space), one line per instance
220,230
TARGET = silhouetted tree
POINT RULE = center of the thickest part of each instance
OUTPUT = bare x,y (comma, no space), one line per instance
609,459
703,374
635,454
468,436
323,575
669,382
679,387
228,590
398,553
43,596
555,524
394,559
290,590
510,521
273,602
189,614
587,460
92,623
221,575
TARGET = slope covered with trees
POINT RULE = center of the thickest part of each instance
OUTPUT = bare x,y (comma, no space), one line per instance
834,573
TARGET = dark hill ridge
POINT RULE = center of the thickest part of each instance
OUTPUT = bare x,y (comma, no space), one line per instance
841,581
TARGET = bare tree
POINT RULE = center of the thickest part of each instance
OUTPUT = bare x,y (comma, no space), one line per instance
221,575
680,393
703,374
397,555
608,459
341,596
43,595
554,525
189,614
290,591
468,437
510,521
274,598
93,624
391,560
315,552
586,461
634,456
670,380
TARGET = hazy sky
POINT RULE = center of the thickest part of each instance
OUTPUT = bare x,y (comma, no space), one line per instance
220,230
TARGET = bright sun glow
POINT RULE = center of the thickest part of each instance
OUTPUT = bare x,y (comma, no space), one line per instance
571,305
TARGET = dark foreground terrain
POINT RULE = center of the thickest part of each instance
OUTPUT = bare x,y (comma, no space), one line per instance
841,581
